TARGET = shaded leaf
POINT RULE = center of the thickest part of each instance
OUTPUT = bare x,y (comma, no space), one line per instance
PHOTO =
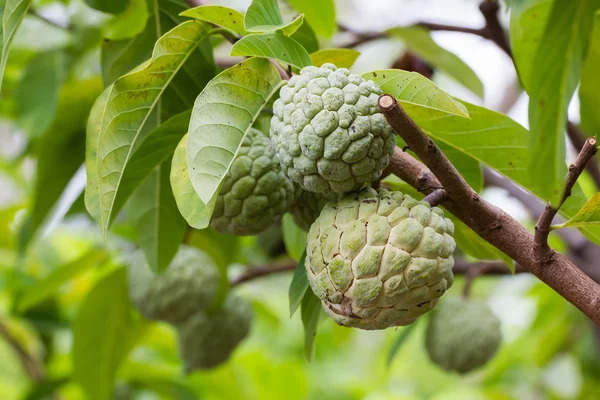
108,6
588,215
419,41
294,238
399,341
342,58
128,23
311,311
273,45
320,14
306,37
225,17
590,82
298,286
12,12
222,114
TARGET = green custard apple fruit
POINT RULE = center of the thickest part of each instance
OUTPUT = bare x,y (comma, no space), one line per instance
379,258
255,192
189,285
207,340
462,335
329,132
308,206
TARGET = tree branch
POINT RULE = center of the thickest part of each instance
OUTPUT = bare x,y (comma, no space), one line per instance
578,138
257,272
436,197
542,250
491,223
34,370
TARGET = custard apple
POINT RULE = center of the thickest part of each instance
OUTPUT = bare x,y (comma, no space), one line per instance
378,258
255,192
189,285
308,206
462,335
329,132
206,340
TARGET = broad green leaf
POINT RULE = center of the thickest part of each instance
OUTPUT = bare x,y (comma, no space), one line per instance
12,12
469,168
222,114
103,333
399,341
108,6
191,207
273,45
589,99
156,148
298,286
311,311
293,26
306,37
320,14
225,17
588,215
133,101
159,226
411,87
342,58
263,16
129,23
49,285
557,65
419,41
294,238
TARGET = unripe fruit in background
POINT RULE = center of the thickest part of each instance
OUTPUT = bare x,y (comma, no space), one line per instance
329,132
189,285
255,192
208,339
378,258
462,335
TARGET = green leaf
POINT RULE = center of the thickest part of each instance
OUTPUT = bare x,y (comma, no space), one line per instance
411,87
131,22
225,17
306,37
298,286
103,333
419,41
12,12
294,238
108,6
588,215
132,102
311,311
320,14
273,45
222,114
469,168
342,58
399,341
590,80
159,226
49,285
293,26
263,16
191,207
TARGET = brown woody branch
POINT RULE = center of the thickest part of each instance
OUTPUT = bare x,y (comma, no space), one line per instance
436,197
31,366
542,250
578,138
491,223
257,272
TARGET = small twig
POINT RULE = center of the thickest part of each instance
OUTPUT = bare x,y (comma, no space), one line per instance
454,28
436,197
196,3
493,30
34,370
577,138
541,249
282,72
411,171
257,272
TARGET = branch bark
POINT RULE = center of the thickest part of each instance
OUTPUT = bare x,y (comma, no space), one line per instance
490,222
577,139
257,272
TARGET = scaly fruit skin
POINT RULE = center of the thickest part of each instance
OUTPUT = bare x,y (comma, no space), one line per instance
462,335
207,340
255,192
378,258
189,285
329,132
308,206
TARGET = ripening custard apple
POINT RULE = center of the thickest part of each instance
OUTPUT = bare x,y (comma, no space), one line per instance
378,258
189,284
308,206
329,132
462,335
207,339
255,192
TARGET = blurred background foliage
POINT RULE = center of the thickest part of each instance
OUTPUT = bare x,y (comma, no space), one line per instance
63,328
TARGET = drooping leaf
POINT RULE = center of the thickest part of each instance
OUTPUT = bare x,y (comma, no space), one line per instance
49,285
298,286
108,6
557,65
590,81
133,101
311,311
263,16
342,58
191,207
225,17
12,12
104,331
399,341
294,238
419,41
414,88
222,114
273,45
320,14
306,37
156,220
588,215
